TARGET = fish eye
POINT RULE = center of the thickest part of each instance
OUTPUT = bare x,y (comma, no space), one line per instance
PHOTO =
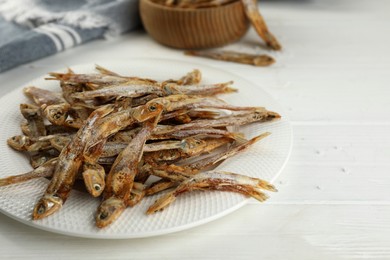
152,108
256,115
103,215
41,210
97,187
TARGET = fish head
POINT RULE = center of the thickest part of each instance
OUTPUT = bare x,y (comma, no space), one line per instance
94,179
29,110
147,111
46,206
108,211
56,114
19,142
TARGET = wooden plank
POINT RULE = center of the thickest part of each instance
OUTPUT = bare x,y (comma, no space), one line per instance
321,184
253,232
336,164
341,145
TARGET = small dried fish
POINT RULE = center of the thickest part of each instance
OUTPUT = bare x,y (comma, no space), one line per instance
253,14
201,90
94,178
191,147
25,143
45,170
213,180
177,173
98,79
206,132
259,114
122,90
56,113
238,57
35,122
138,90
182,102
111,149
43,96
120,180
213,160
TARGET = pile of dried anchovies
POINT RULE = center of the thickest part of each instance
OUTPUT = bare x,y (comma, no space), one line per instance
112,132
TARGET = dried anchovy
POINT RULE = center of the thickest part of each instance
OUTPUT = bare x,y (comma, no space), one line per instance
253,14
232,56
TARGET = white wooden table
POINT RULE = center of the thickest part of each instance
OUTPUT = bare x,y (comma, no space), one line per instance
333,79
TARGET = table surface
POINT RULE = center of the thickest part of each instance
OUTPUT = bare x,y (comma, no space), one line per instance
333,79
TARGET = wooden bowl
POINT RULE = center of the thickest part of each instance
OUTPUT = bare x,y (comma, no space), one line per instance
194,28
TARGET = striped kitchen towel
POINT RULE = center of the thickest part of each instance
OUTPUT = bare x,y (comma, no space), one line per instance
32,29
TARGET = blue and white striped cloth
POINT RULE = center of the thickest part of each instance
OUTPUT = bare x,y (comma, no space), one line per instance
32,29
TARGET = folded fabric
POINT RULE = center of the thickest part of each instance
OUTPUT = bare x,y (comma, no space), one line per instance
32,29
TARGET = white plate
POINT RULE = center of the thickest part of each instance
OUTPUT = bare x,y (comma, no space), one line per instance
265,160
